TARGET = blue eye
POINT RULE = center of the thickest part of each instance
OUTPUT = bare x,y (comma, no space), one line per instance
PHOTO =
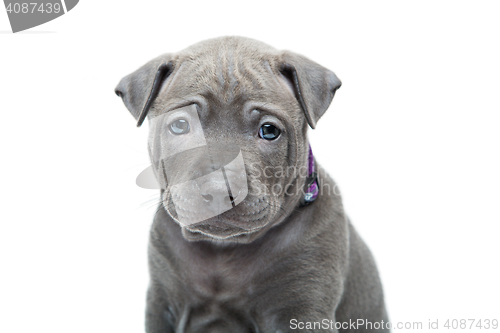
179,127
269,132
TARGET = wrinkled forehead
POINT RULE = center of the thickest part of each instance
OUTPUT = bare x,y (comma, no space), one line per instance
224,80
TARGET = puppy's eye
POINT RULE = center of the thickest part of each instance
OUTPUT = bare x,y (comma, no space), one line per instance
179,126
269,132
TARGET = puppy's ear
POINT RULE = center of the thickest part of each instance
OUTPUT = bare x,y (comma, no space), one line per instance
140,88
313,85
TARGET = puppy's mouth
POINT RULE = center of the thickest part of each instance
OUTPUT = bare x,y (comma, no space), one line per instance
224,231
245,218
217,229
240,237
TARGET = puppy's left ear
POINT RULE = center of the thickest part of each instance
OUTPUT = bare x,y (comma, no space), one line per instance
140,88
313,85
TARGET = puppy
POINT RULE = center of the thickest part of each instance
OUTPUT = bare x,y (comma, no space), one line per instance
251,235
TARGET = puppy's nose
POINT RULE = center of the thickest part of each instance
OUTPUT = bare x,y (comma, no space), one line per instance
216,196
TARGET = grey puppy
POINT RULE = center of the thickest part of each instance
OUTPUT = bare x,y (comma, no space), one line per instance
274,262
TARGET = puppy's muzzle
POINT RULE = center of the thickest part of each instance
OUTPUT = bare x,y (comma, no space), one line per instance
205,182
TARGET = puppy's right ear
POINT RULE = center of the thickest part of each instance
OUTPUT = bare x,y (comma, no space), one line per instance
140,88
313,85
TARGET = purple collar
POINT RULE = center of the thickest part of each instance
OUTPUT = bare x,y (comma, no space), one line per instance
312,188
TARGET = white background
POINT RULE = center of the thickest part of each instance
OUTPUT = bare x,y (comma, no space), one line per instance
412,137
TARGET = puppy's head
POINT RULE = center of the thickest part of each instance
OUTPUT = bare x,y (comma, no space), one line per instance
228,120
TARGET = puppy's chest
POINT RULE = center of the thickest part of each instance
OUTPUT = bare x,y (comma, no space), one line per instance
220,279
